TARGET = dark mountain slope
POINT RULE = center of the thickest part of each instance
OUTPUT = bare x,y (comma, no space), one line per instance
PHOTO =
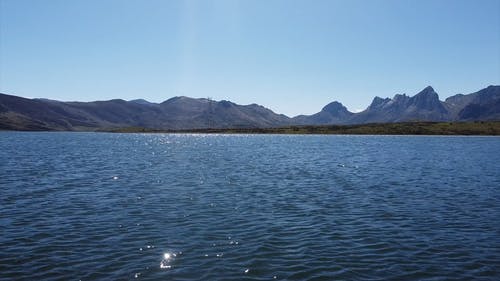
481,105
41,114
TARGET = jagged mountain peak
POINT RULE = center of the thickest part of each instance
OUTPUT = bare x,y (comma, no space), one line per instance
427,99
378,102
428,89
427,92
400,97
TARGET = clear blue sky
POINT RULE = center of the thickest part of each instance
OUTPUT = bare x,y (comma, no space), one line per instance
291,56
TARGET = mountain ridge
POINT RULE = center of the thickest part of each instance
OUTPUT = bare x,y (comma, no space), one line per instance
181,112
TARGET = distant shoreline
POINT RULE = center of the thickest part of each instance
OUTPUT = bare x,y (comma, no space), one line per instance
479,128
490,128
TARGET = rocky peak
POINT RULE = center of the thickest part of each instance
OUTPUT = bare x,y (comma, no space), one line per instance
427,89
335,108
400,101
378,102
427,99
400,97
427,94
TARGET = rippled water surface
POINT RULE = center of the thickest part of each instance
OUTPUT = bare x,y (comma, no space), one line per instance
95,206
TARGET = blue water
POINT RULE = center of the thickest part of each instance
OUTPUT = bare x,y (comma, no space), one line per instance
96,206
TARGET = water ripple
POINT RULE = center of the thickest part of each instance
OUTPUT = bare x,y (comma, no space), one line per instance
216,207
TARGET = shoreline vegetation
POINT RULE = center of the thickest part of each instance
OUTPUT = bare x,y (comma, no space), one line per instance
490,128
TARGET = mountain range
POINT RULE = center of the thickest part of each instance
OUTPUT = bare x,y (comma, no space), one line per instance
18,113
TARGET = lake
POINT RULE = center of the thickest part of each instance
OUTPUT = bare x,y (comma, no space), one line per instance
98,206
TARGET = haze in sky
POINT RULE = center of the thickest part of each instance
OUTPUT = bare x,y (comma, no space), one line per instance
291,56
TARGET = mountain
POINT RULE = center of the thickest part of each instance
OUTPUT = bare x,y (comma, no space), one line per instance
185,112
17,113
332,113
424,106
481,105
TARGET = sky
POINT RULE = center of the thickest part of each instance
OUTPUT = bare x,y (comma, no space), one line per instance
293,57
